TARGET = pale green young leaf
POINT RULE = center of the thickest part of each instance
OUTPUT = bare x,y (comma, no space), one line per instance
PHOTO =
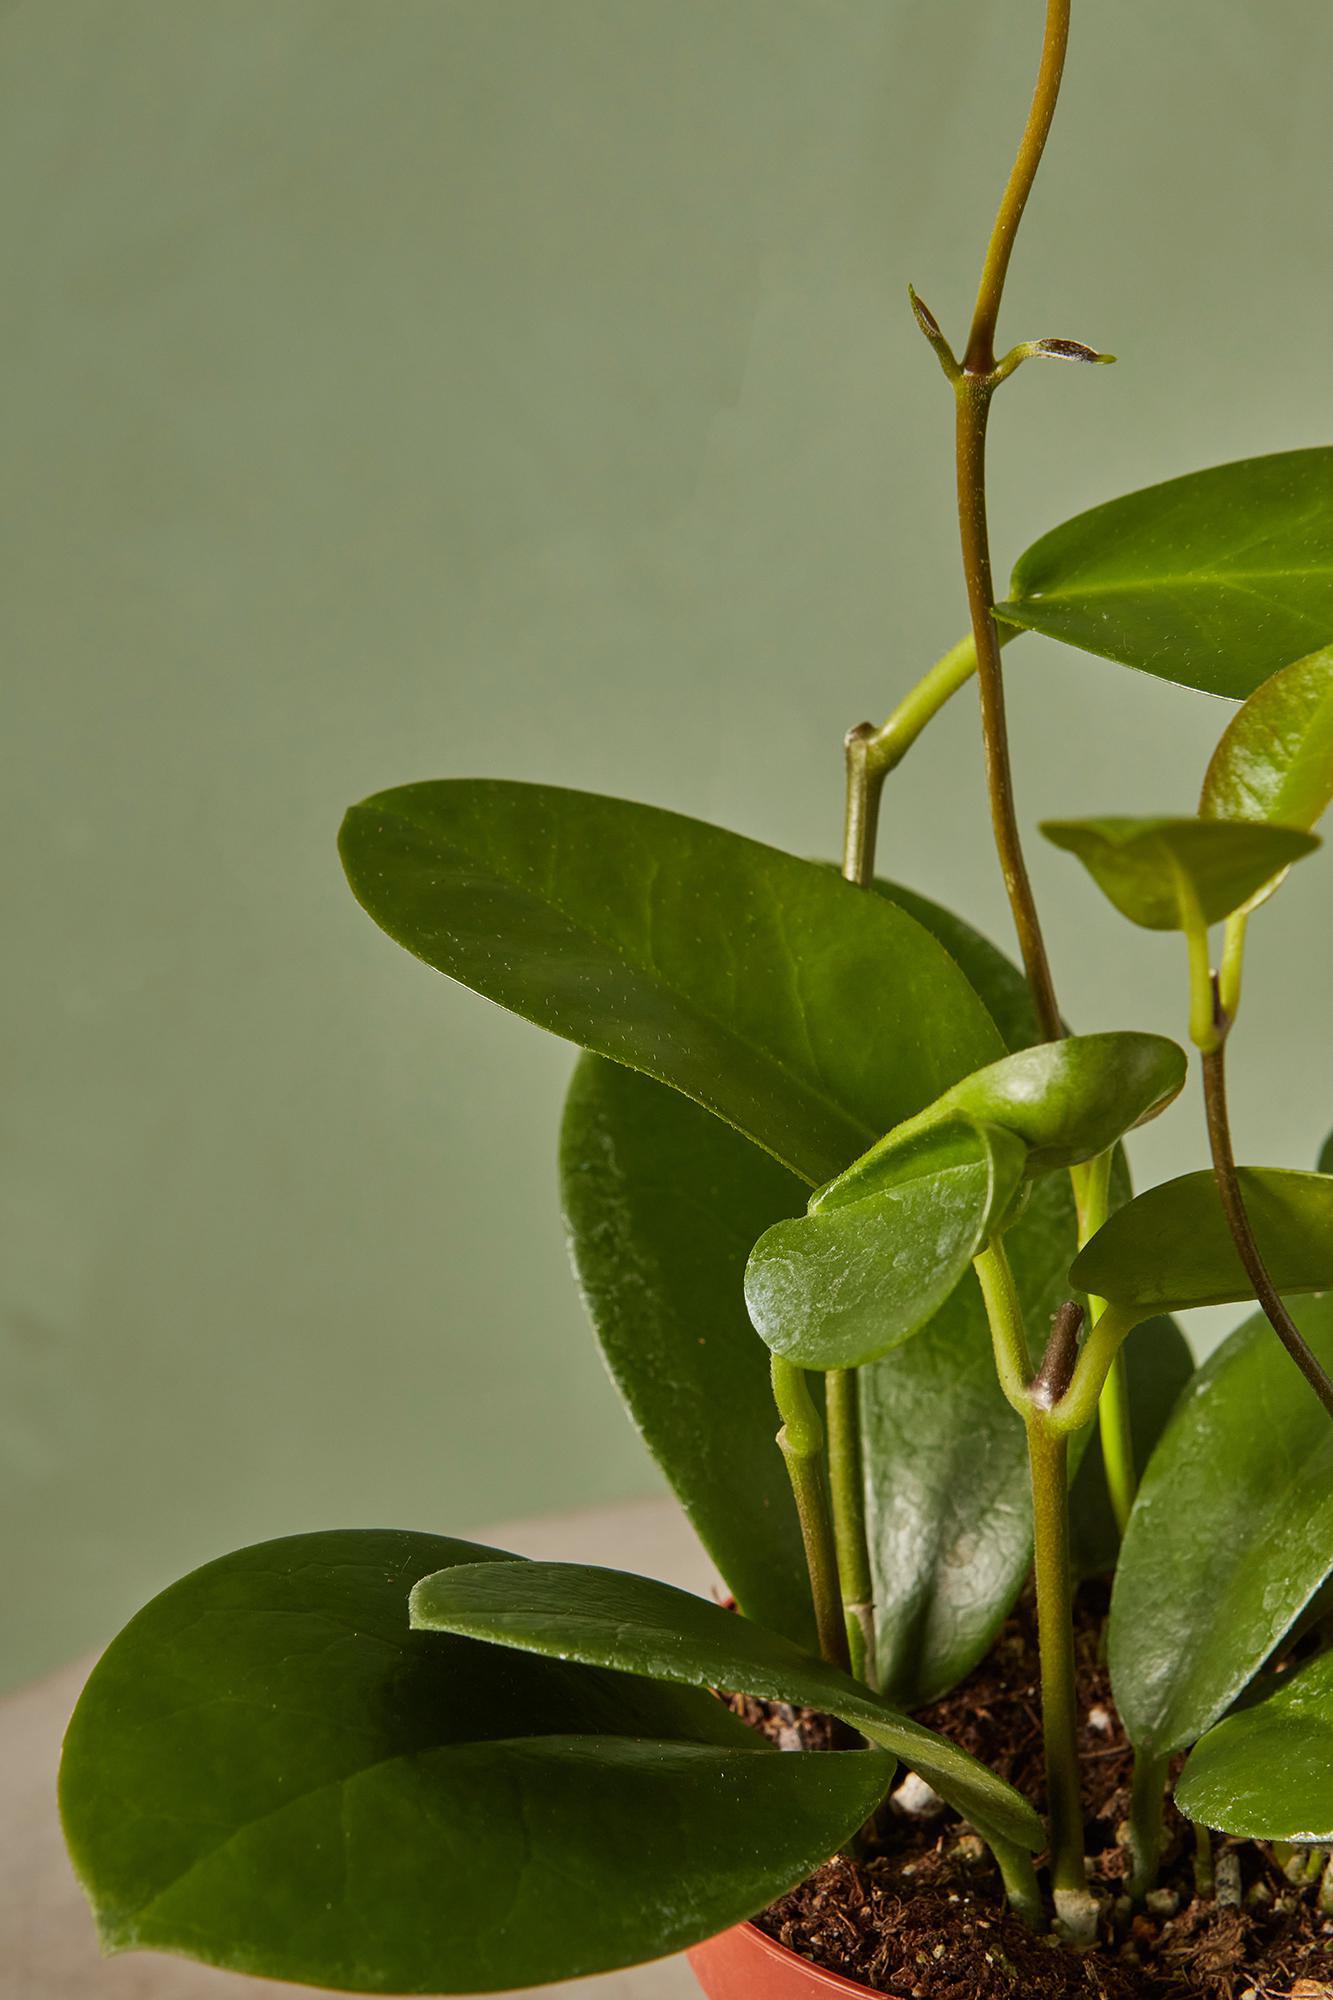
1169,874
1275,760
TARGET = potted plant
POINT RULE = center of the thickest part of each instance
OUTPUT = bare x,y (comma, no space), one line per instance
834,1166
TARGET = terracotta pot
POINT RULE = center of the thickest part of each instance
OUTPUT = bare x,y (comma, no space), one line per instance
744,1964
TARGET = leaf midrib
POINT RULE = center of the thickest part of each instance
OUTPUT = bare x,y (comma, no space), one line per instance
1187,580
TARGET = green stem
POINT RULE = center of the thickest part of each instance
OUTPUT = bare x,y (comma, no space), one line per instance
980,356
846,1474
1004,1311
1205,1881
1117,1434
801,1441
847,1487
1078,1406
974,386
1048,1457
1146,1828
1019,1876
889,744
973,408
865,783
1207,1022
1242,1234
1233,963
1092,1195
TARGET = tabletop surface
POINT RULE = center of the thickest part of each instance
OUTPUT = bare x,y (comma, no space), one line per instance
47,1942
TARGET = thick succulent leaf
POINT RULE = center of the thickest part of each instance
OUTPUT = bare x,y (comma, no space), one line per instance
1214,580
269,1770
1065,1102
1266,1772
1275,759
606,1618
844,1284
1170,1248
1159,1364
1230,1538
810,1016
1001,984
663,1204
1161,872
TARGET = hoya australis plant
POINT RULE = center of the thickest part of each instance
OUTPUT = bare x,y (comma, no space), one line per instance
850,1208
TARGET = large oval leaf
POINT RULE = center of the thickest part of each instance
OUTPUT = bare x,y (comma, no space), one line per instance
607,1618
1275,759
270,1771
846,1283
1166,874
1266,1772
1230,1537
1214,580
663,1205
807,1014
1170,1247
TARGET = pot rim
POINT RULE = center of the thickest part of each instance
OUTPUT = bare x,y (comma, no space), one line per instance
833,1982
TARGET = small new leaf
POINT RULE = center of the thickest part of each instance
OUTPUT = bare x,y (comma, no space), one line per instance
930,326
847,1282
1048,350
1173,874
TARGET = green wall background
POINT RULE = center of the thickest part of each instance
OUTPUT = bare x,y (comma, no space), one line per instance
401,388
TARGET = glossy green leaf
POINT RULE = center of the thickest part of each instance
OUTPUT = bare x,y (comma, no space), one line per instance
810,1016
663,1204
1275,759
1325,1161
1159,872
844,1284
1170,1248
1214,580
1160,1364
1002,984
269,1770
948,1501
1065,1101
606,1618
1230,1538
1266,1772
